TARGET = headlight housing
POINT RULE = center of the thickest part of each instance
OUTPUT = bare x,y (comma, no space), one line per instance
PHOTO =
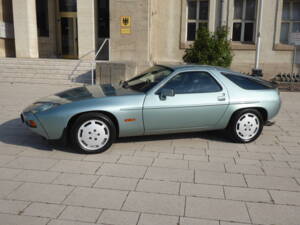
43,106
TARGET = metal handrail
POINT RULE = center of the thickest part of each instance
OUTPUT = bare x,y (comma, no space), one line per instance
93,63
80,60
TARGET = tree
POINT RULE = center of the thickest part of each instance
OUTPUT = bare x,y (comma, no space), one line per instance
210,48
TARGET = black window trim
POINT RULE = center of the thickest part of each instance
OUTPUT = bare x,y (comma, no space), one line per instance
188,71
266,84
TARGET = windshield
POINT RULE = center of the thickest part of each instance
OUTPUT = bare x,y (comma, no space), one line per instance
148,79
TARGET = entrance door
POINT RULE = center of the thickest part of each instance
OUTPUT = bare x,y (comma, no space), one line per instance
67,29
69,46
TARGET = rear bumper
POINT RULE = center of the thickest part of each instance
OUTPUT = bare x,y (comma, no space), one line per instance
274,108
39,129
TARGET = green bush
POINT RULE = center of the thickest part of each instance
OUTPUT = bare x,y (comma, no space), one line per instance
210,48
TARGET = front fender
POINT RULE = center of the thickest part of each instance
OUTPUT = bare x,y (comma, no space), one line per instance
56,120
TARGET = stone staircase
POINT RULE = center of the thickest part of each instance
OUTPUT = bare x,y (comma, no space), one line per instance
45,71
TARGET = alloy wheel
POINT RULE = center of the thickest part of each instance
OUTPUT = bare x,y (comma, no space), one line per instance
93,135
247,126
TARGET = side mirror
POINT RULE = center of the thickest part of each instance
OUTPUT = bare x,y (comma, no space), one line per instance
164,93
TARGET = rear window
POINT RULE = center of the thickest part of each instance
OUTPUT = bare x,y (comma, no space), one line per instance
249,83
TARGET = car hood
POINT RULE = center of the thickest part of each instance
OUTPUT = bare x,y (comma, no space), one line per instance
87,92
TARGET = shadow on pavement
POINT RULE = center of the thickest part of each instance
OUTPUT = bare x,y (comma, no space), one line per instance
13,132
218,136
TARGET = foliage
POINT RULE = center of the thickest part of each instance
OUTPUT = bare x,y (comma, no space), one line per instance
210,48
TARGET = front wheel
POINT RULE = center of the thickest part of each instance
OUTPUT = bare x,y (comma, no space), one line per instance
246,126
93,133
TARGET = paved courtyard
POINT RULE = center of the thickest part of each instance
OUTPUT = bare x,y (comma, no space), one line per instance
192,179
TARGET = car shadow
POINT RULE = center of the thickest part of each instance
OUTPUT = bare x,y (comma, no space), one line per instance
14,132
217,136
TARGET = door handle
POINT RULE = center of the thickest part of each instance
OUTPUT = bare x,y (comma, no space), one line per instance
222,97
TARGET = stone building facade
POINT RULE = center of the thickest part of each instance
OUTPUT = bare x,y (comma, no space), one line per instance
145,32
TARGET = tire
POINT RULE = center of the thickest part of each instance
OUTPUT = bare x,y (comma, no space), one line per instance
245,126
93,133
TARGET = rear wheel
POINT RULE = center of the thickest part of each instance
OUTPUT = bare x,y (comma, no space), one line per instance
93,133
246,126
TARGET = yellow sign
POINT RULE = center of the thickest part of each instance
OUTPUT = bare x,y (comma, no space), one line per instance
125,31
125,24
125,21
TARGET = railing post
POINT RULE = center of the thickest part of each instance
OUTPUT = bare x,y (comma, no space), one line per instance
93,76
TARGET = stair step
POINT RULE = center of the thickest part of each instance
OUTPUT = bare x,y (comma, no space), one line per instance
43,75
45,71
37,71
52,77
39,81
46,67
41,61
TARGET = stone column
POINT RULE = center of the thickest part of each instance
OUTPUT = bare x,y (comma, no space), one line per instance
25,27
86,29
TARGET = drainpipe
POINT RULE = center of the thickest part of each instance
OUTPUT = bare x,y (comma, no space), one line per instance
257,71
222,12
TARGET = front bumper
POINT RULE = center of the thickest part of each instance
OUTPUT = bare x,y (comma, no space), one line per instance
26,117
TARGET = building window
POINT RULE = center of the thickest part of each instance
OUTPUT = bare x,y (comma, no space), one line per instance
290,20
197,16
42,18
244,20
67,5
103,18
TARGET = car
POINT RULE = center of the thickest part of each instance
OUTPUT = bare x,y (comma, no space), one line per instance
164,99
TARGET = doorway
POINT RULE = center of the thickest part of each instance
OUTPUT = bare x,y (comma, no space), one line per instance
67,29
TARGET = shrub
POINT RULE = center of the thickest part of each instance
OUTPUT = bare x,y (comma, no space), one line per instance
210,48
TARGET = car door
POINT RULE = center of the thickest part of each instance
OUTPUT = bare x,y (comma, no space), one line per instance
198,103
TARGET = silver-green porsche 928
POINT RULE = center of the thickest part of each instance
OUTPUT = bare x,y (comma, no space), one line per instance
164,99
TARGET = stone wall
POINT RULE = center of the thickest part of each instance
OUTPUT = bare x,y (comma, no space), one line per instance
114,72
166,31
132,47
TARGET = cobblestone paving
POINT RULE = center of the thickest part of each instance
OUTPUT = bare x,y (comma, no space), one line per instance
192,179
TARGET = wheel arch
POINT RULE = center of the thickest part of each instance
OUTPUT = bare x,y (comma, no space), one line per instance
263,112
108,114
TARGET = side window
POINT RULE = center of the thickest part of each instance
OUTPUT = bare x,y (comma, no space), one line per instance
193,82
247,82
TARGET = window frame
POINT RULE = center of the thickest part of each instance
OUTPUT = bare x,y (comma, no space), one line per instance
189,71
197,21
243,21
184,43
277,45
289,21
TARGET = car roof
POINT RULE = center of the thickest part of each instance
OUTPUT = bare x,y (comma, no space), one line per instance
181,66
